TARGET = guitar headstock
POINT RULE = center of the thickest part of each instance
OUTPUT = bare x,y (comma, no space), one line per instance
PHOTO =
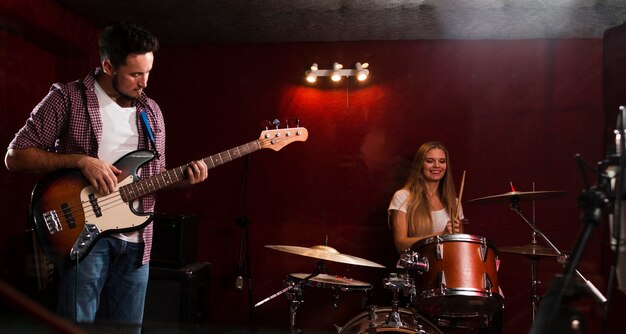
278,138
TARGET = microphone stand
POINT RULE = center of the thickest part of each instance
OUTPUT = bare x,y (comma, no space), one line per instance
553,315
244,242
618,160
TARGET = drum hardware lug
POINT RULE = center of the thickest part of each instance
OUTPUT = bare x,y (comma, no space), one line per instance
419,328
371,313
487,282
484,249
441,281
439,250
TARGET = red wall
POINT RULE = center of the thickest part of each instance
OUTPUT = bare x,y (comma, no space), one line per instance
509,111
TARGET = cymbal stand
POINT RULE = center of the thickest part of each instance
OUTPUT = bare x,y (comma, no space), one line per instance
294,295
534,283
534,271
561,258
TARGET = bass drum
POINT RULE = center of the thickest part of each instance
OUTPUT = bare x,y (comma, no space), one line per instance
374,320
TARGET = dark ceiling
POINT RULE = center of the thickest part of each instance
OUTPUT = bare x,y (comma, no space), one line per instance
257,21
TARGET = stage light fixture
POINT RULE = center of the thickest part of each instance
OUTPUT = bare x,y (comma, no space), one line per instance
360,72
335,76
311,75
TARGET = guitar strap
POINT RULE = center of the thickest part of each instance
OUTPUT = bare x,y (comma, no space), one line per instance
148,131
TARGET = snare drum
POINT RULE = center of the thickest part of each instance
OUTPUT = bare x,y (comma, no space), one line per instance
327,301
462,278
375,320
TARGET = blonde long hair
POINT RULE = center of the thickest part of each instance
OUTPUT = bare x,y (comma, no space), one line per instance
418,211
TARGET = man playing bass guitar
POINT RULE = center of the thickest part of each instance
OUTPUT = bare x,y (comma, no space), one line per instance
87,125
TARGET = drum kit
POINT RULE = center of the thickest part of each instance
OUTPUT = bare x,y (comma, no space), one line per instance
447,281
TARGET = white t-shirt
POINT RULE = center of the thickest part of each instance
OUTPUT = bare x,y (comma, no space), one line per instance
119,137
119,128
440,217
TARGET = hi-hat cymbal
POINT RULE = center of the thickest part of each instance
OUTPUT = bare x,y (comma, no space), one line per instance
529,249
325,253
519,195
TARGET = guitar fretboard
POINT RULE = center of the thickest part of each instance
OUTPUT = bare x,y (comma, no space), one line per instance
164,179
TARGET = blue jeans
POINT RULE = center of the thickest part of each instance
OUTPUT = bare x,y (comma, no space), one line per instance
110,281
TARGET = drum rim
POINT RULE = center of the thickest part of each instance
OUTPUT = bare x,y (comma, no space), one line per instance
363,315
460,292
472,238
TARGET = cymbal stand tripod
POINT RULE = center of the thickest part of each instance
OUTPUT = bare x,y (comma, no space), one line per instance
561,258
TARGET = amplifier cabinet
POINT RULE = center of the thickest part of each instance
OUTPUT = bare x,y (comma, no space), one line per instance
178,294
175,240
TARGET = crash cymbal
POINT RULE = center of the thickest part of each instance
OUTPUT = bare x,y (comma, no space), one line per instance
325,253
324,280
529,249
520,195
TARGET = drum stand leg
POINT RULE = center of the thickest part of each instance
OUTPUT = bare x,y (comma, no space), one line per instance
294,295
295,298
534,282
396,283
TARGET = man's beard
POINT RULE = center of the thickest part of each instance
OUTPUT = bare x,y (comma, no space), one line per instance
122,95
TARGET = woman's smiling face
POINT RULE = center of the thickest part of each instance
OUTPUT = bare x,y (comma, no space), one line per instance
435,165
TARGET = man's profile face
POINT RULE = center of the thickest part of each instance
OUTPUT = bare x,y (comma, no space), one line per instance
131,78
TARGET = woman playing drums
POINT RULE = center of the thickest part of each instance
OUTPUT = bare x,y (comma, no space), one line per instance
426,203
460,287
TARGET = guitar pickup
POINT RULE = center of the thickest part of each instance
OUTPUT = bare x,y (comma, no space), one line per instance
67,213
52,221
94,205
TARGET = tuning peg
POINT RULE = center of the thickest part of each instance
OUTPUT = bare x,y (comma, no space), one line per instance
276,123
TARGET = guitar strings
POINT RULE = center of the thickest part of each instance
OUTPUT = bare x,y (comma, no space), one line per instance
114,199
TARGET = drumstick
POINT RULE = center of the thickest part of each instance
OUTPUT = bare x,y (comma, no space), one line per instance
458,204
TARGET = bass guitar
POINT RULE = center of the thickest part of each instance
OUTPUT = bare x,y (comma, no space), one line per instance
69,215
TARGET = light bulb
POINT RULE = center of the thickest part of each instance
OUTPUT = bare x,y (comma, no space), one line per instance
362,75
311,76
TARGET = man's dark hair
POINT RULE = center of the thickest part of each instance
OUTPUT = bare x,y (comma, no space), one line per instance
119,40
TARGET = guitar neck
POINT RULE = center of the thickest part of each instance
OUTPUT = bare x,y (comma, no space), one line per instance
172,176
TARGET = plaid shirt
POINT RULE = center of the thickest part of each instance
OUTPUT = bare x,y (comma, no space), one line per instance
68,120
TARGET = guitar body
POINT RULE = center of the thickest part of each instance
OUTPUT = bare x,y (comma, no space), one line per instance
69,216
